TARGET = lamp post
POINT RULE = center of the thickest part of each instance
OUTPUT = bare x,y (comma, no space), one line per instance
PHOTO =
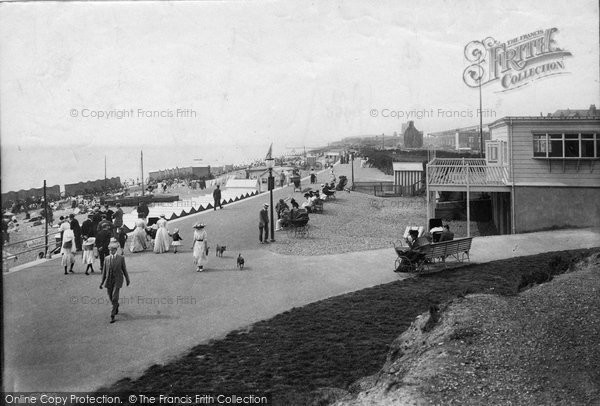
270,162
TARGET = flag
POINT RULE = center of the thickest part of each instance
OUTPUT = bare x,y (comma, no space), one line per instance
269,152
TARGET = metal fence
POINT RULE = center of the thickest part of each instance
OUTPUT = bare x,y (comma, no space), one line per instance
387,189
46,244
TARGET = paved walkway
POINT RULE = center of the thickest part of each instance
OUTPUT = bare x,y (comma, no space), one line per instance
56,331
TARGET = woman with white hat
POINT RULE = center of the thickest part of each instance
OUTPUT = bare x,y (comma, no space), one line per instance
68,247
162,241
200,247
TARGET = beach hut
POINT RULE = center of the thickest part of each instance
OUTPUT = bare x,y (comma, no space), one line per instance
408,177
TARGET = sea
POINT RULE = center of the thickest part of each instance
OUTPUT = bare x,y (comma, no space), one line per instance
25,167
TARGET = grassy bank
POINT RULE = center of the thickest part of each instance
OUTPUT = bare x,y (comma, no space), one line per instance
334,342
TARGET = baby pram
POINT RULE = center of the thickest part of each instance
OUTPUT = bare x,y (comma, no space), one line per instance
409,260
298,224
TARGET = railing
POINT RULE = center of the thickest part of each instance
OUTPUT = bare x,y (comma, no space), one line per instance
386,189
474,172
8,254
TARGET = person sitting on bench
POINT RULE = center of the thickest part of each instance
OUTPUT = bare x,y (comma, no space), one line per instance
309,203
327,191
418,246
284,220
446,235
280,207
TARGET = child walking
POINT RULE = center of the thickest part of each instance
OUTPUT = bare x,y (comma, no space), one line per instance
176,240
88,253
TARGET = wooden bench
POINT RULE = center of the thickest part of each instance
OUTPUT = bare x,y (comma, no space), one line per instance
457,249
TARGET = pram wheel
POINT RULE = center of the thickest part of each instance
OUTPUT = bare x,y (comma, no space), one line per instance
403,264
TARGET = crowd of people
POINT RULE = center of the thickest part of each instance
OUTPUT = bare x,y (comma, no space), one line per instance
103,238
103,228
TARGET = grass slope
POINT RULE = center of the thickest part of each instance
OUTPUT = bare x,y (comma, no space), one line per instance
334,342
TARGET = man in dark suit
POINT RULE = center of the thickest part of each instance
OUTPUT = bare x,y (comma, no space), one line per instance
103,223
76,230
102,241
143,210
109,213
263,224
446,235
96,218
118,217
87,227
113,273
217,198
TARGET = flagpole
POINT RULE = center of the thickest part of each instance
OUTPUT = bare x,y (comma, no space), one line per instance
142,166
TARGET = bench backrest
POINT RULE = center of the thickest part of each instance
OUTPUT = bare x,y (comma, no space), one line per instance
445,248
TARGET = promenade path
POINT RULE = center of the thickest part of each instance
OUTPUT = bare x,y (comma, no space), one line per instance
57,335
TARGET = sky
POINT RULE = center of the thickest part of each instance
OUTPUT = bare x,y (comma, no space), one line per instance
222,80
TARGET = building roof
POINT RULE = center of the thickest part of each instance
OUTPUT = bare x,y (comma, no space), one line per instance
542,119
591,112
407,166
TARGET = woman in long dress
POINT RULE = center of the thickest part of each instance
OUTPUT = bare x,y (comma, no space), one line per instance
162,241
139,238
68,248
200,247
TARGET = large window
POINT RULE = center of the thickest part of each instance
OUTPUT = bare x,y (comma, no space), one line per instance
571,145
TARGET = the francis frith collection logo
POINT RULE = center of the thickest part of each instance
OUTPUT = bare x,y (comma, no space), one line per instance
514,63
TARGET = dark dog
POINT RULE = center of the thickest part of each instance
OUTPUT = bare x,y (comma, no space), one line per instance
240,262
220,250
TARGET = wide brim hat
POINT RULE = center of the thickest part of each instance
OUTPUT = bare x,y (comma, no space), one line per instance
199,225
90,241
113,243
266,205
